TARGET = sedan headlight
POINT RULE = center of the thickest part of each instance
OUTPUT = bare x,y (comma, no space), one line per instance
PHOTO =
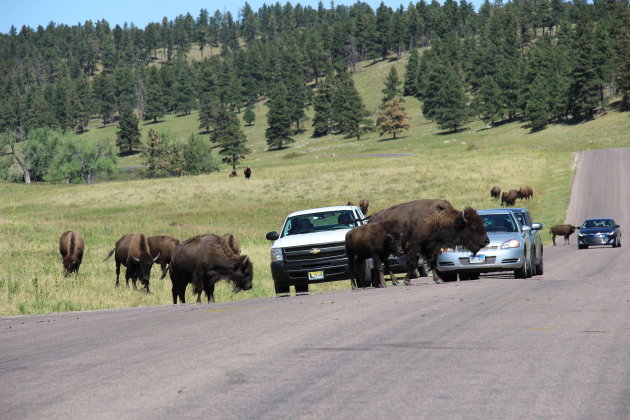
581,235
276,254
512,243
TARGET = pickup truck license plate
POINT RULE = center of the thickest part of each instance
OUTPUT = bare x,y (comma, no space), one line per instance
477,259
315,275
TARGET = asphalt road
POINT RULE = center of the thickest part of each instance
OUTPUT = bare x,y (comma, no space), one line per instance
553,346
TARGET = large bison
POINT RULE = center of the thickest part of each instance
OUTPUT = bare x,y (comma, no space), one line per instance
71,249
495,192
161,248
509,198
133,252
562,230
525,193
431,225
372,241
204,260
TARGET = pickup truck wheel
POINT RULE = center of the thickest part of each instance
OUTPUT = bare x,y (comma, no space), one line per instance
301,288
281,289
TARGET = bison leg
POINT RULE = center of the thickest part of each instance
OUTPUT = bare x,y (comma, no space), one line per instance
391,273
353,274
553,238
412,265
164,270
381,274
208,288
117,273
566,240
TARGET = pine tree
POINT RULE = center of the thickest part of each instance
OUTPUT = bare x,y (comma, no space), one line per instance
208,106
184,100
352,119
392,118
104,96
249,116
322,106
128,135
154,97
445,101
411,73
392,86
278,132
585,83
622,66
229,136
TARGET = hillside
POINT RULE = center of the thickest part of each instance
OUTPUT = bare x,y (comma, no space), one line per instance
460,167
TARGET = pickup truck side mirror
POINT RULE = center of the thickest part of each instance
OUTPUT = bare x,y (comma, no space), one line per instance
272,236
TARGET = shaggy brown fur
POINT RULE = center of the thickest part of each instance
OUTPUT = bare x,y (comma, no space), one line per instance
562,230
134,253
71,249
161,248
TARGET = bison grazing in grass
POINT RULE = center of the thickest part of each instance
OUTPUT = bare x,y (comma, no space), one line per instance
525,193
133,252
161,248
204,260
562,230
430,225
372,241
509,198
495,192
71,249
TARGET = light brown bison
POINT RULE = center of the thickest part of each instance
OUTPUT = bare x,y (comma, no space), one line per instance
204,260
525,193
372,241
161,248
495,192
364,204
71,247
509,198
133,252
562,230
429,226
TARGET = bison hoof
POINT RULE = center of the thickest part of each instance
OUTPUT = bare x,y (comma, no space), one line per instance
439,281
407,282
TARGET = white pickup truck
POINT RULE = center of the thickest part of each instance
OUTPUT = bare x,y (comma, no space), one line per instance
311,249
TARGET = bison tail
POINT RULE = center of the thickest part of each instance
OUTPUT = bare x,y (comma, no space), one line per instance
110,254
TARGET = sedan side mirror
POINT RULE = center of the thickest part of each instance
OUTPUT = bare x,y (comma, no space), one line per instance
537,226
526,228
272,236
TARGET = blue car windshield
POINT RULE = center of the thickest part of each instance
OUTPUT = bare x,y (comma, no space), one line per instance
597,223
499,223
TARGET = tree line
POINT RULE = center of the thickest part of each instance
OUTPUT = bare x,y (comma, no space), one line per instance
538,60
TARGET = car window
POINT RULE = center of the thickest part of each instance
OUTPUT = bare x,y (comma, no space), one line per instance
314,222
499,223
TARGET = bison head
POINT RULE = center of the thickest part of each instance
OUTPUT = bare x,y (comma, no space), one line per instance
395,243
70,263
243,274
143,268
470,231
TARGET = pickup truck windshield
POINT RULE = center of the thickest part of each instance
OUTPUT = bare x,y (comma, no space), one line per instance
316,222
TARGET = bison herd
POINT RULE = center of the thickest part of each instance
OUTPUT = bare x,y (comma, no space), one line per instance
508,198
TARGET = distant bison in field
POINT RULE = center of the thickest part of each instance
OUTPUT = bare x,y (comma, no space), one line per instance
161,248
429,226
71,249
204,260
372,241
495,192
525,193
134,253
247,172
363,205
562,230
233,173
509,198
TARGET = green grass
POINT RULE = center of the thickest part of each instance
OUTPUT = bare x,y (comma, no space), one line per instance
460,167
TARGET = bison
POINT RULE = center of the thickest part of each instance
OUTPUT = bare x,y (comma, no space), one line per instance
247,172
364,204
495,192
204,260
525,193
562,230
431,225
509,198
161,248
133,252
372,241
233,173
71,249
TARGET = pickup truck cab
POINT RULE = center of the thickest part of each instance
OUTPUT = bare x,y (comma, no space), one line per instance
310,248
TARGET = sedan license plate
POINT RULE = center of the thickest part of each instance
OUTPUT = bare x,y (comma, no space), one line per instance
477,259
315,275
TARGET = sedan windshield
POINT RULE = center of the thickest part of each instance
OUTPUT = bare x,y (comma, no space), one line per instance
499,223
597,223
315,222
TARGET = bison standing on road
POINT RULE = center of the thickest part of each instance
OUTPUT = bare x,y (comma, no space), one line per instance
204,260
161,248
71,249
562,230
133,252
495,192
429,226
372,241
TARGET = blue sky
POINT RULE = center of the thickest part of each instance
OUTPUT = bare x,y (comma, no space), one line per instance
41,12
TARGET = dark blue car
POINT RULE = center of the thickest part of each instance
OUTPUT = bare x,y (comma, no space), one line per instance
599,232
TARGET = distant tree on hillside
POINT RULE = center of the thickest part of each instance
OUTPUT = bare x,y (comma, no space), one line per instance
128,136
392,86
278,132
249,116
392,118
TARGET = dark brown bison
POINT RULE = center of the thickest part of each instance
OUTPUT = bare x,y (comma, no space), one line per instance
509,198
133,252
372,241
233,173
364,204
71,249
562,230
232,243
525,193
495,192
430,225
161,248
204,260
247,172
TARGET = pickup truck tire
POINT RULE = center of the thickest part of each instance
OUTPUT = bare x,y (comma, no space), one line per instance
281,289
366,275
301,288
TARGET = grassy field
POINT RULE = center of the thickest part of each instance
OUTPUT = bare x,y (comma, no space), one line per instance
460,167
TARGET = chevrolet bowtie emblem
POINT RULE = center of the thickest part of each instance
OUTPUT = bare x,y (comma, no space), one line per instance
315,251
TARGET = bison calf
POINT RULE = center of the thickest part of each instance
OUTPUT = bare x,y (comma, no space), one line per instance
71,250
562,230
133,252
204,260
372,241
161,248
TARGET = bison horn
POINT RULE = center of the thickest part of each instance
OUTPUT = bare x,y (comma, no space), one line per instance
464,216
134,257
156,257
